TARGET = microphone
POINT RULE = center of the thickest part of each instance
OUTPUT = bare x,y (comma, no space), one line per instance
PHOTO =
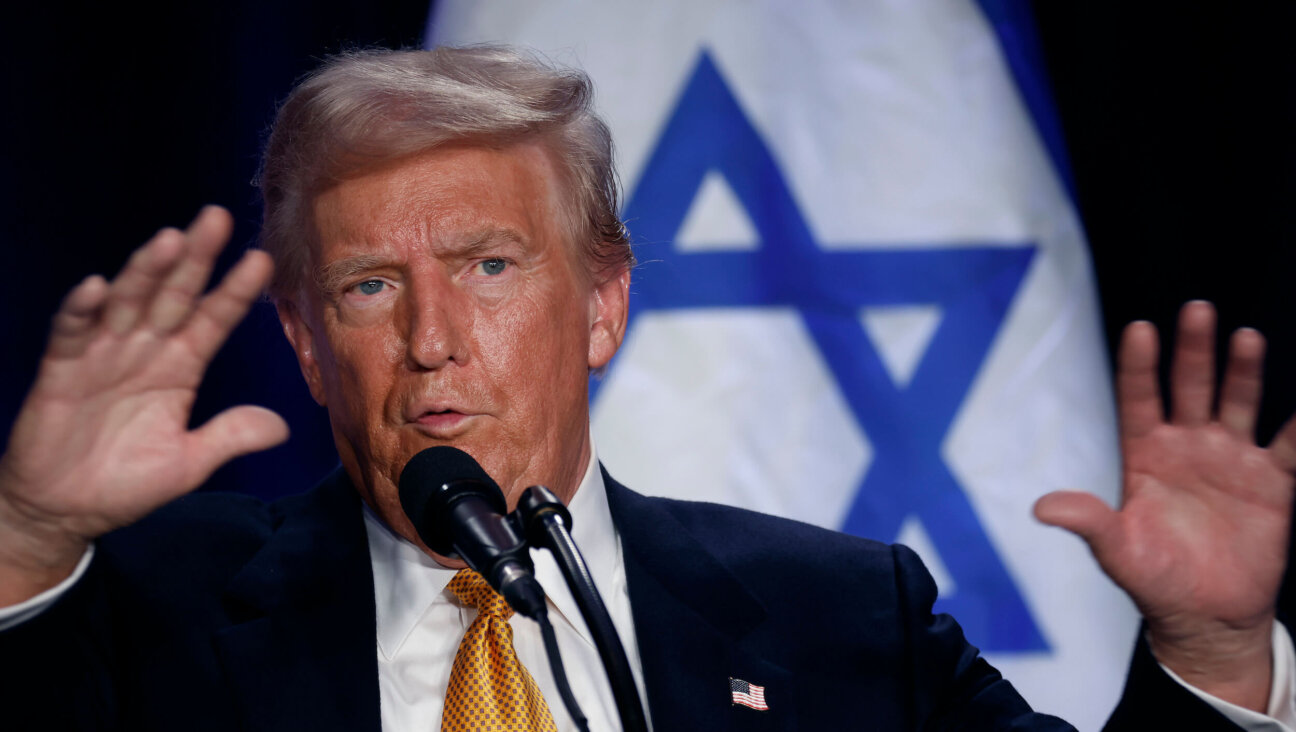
458,511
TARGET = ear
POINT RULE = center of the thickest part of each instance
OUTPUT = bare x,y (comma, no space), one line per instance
609,308
302,338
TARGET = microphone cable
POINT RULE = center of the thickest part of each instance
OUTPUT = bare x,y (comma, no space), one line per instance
559,674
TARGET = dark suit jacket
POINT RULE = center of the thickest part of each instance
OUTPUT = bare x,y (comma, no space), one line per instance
221,612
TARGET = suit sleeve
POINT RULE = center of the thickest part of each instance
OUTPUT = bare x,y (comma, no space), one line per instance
1153,700
56,668
130,642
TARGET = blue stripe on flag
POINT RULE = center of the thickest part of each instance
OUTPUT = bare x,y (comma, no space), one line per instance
1014,25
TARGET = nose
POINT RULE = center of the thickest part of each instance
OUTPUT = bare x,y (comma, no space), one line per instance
438,317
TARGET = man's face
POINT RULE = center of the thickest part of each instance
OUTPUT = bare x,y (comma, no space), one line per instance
452,309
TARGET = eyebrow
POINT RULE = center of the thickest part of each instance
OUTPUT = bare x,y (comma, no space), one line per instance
480,241
329,278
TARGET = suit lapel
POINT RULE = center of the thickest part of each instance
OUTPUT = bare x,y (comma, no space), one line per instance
692,616
300,651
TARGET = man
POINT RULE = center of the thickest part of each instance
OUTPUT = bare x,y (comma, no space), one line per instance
449,269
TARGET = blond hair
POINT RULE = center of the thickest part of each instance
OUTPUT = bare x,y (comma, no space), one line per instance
364,109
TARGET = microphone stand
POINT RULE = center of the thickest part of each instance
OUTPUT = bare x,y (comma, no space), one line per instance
545,522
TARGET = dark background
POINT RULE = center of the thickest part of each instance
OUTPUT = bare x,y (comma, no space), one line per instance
1181,129
119,120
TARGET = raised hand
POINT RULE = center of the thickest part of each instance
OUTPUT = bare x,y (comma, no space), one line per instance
1200,539
102,438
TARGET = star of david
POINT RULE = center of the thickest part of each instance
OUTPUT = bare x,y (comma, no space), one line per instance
972,284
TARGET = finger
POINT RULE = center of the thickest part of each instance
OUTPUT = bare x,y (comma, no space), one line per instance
234,432
74,324
1083,514
222,309
178,293
1240,393
1192,375
1283,447
1138,393
133,288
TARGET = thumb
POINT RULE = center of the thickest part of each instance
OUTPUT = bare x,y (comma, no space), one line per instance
234,432
1083,514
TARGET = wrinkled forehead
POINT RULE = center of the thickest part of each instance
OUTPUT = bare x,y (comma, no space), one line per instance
460,191
436,180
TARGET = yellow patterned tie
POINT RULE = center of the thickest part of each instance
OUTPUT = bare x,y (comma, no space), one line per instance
490,691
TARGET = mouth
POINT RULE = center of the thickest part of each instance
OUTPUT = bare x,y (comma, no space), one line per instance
442,423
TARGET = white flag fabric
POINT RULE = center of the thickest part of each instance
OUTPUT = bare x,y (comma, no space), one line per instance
865,300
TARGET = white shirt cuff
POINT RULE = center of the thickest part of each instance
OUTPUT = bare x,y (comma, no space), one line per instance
31,607
1282,692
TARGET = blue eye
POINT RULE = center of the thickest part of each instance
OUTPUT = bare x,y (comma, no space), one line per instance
494,266
370,287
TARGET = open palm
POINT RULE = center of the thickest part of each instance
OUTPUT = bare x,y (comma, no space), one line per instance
102,438
1200,539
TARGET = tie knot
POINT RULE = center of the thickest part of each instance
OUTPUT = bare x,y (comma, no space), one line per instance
472,589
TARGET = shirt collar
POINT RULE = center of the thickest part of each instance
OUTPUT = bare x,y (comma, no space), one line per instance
408,582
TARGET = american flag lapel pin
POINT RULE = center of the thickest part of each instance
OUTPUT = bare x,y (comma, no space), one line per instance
747,694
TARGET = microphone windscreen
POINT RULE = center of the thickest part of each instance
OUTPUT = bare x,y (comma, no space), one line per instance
432,480
443,464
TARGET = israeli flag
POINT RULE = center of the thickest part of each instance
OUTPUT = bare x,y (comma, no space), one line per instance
865,300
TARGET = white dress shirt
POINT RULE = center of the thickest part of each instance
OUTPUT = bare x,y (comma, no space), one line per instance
420,626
